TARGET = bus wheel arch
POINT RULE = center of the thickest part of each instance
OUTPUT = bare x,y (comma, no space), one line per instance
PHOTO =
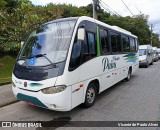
130,68
91,93
96,82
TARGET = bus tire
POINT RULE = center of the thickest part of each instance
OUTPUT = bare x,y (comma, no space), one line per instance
128,75
91,95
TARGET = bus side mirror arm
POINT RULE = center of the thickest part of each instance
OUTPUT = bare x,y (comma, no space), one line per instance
81,33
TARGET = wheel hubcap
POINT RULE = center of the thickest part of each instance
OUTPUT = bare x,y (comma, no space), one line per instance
91,95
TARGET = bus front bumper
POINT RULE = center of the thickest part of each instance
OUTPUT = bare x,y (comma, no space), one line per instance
59,101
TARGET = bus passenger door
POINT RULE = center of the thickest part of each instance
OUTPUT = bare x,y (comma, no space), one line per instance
75,69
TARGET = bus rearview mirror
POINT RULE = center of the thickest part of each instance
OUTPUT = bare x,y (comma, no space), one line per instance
81,33
22,43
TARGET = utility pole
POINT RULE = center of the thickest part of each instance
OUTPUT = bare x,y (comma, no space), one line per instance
96,8
151,33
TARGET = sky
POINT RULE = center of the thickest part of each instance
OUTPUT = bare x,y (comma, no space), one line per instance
147,7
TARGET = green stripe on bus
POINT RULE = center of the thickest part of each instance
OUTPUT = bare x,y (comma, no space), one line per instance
98,43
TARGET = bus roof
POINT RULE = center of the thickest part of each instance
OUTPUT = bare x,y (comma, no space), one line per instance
62,19
115,28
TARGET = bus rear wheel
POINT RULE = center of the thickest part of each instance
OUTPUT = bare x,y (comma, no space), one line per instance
128,75
91,95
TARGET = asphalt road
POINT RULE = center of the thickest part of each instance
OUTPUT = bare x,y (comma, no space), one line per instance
136,100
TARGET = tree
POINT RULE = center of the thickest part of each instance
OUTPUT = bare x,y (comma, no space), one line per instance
19,17
137,25
3,3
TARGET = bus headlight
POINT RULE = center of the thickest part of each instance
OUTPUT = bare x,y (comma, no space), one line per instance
52,90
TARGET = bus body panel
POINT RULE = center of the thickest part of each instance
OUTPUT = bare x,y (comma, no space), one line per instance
77,93
59,101
29,85
93,70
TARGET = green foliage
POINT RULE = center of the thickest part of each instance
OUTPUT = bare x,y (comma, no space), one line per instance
7,64
3,3
10,48
72,11
155,40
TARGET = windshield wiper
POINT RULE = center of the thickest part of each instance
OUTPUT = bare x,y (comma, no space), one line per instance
43,55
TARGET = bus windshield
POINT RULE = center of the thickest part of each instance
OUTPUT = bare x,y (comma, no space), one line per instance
52,39
142,52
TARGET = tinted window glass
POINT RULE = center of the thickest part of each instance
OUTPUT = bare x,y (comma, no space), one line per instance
84,49
132,45
75,56
119,43
125,41
116,42
103,43
91,42
106,40
136,44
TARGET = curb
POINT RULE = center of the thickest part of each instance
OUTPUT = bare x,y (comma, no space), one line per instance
8,103
6,95
5,83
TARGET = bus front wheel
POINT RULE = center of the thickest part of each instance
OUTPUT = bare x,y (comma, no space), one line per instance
91,95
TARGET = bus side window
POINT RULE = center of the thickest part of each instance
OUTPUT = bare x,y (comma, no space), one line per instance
119,43
91,46
116,42
113,42
75,55
136,42
84,49
132,45
91,43
126,45
104,42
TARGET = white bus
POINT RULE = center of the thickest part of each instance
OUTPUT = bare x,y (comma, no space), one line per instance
69,61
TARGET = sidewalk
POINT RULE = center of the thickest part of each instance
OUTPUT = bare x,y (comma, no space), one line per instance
6,95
